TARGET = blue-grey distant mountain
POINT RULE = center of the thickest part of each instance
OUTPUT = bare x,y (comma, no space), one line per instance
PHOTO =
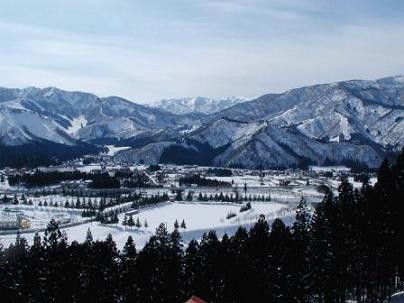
344,122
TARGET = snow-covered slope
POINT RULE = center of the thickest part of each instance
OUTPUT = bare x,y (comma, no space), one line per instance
359,121
55,115
372,110
198,104
18,126
37,123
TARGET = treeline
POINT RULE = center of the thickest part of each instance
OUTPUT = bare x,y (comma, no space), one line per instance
43,153
350,248
98,180
229,198
91,206
111,217
201,181
40,178
220,172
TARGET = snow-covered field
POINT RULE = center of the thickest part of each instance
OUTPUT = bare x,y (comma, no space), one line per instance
199,218
285,188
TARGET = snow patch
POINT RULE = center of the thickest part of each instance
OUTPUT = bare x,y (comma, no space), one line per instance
113,150
76,124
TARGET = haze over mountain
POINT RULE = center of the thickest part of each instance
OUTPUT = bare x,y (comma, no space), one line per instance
351,121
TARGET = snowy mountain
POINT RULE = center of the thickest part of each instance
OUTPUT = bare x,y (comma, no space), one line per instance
51,116
340,123
200,105
345,122
64,117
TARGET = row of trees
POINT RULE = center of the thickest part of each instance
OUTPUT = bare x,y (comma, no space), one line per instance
129,221
111,216
233,198
350,248
99,180
91,203
201,181
220,197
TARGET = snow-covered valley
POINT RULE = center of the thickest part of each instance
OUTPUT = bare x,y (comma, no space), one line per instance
199,218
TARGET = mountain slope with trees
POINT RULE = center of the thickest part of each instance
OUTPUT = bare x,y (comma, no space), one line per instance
337,123
345,122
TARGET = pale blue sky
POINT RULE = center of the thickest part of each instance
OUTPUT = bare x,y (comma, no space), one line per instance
148,50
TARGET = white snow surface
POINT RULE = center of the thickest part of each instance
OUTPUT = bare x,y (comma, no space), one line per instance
338,121
113,150
20,126
199,218
198,104
76,124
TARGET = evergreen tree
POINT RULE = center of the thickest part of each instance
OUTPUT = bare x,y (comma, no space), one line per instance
89,237
324,274
178,195
301,239
397,194
131,222
281,264
129,250
209,277
115,218
258,251
53,235
192,264
174,266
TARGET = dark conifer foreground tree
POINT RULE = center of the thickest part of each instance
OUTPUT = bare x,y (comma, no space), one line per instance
350,248
300,252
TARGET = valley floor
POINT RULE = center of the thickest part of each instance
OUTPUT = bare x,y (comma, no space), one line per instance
199,218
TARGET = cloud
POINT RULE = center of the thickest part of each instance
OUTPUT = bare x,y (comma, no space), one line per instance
211,48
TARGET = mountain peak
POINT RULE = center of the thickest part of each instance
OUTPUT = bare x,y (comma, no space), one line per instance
198,104
357,120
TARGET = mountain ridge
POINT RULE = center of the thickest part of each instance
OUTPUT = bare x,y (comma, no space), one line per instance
355,120
201,105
